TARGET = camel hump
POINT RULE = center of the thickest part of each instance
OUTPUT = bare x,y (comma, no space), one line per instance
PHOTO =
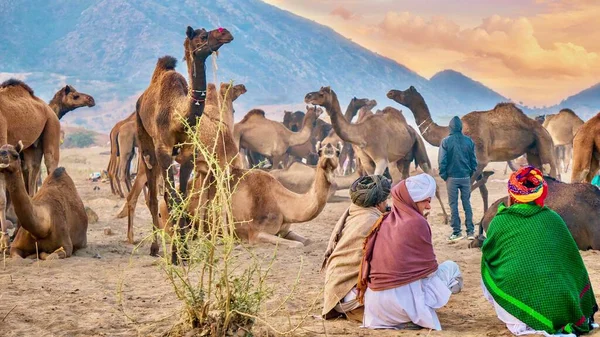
13,82
59,172
164,64
253,112
569,111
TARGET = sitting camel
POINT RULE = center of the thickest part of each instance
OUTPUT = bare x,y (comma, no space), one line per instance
384,138
501,134
264,210
23,116
299,177
54,221
586,151
270,138
577,205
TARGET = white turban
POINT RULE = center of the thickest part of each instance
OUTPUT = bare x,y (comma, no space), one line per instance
420,187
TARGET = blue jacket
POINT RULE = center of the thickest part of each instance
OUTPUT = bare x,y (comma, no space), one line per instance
457,157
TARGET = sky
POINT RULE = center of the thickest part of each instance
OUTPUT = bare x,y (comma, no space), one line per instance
533,51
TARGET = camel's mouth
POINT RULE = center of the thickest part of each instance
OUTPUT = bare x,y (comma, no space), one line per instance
3,165
310,98
390,94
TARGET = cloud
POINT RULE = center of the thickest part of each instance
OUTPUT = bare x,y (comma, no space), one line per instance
344,13
512,41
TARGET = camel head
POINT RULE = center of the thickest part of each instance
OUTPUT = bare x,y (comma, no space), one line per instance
405,97
371,104
328,157
323,97
72,99
312,113
10,160
540,119
199,44
237,91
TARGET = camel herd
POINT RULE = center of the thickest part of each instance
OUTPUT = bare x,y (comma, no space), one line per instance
309,157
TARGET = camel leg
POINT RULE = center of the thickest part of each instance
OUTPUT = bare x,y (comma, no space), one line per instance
4,240
297,237
262,237
484,195
111,174
129,206
380,166
50,144
60,253
594,165
568,157
437,189
118,176
124,161
404,167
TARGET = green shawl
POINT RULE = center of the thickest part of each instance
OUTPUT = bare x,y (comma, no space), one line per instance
530,264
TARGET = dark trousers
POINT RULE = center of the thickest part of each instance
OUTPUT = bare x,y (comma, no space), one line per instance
464,186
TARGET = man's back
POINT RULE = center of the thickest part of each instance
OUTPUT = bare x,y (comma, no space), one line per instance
457,153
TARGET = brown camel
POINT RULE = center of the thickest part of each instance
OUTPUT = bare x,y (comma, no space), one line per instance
333,138
53,222
270,138
127,142
264,210
214,132
577,205
23,116
586,151
384,138
163,112
306,151
64,101
113,162
562,128
501,134
299,178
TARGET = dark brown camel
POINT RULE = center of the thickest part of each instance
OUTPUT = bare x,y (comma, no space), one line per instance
501,134
294,122
577,204
164,111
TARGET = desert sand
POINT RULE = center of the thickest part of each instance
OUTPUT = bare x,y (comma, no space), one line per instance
108,289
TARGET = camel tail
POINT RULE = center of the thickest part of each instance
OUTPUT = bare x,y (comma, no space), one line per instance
164,64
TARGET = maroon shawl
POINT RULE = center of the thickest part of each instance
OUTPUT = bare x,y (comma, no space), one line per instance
399,249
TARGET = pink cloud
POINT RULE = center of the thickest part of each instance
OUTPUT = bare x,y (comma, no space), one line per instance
344,13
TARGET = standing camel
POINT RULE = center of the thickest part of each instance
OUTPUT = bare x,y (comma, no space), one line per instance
501,134
113,162
586,151
293,121
384,138
270,138
562,128
23,116
64,101
164,110
53,222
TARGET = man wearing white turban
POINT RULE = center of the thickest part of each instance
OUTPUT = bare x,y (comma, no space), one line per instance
400,281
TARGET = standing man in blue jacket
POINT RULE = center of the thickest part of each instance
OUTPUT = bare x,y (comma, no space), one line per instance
457,162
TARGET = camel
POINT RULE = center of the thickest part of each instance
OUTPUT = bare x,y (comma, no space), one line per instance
355,105
113,162
577,205
163,113
384,138
127,142
64,101
25,117
54,222
293,121
562,128
270,138
299,177
214,132
264,210
501,134
586,151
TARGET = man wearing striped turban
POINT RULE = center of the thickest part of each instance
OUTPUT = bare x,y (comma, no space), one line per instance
531,269
344,252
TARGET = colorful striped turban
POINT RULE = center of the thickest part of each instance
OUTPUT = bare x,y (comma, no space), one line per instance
527,185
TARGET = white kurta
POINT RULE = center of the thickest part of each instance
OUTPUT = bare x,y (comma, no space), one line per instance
415,302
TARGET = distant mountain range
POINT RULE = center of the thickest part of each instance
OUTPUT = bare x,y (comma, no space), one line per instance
108,48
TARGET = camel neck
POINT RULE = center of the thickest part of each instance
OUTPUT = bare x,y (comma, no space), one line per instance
197,90
59,110
351,111
342,127
22,203
430,131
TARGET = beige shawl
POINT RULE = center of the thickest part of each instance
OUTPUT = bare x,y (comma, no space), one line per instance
344,253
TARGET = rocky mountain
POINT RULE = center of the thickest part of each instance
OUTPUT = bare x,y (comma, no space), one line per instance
108,48
586,103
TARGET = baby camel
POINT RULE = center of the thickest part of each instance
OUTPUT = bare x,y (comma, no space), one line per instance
54,219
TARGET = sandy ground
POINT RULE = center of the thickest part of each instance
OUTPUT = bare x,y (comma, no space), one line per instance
80,296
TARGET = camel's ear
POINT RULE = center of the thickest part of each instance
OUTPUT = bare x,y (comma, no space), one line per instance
318,148
339,148
412,88
190,32
67,89
328,89
19,146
